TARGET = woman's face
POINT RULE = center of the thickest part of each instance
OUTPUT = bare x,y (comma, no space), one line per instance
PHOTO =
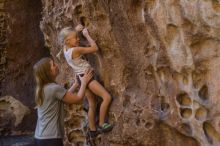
54,69
72,39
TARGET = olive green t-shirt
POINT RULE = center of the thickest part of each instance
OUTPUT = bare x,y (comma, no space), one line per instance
50,123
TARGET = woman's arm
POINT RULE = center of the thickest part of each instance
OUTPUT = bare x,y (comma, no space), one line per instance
74,85
69,97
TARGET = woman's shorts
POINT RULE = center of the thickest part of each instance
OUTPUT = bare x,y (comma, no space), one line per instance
48,142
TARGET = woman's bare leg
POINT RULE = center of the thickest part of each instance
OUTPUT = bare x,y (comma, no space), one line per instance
99,90
92,109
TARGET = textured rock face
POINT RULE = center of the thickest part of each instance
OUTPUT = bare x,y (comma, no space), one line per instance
25,45
21,45
3,41
158,58
12,113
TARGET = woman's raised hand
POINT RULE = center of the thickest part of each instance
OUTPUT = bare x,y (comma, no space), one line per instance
87,76
75,83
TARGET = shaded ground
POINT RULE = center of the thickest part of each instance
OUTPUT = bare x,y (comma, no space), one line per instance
26,140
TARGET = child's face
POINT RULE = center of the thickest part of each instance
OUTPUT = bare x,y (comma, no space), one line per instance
72,39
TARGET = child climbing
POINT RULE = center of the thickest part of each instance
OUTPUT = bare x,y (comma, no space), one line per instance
74,56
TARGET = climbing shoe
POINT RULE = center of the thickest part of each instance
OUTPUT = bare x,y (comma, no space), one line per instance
106,127
93,134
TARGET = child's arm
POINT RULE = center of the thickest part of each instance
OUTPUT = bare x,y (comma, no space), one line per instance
86,50
88,37
79,28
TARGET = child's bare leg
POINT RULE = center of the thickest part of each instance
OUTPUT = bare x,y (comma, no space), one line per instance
92,108
99,90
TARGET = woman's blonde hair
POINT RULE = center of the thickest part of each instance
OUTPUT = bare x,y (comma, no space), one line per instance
42,74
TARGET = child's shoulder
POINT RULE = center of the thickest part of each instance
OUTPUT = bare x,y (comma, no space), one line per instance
68,49
72,48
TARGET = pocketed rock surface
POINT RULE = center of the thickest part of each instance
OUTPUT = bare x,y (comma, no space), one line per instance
21,46
158,59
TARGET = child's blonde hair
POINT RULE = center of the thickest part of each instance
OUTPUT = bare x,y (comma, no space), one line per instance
64,33
61,38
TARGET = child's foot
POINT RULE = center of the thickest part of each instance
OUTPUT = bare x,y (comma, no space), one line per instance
106,127
93,134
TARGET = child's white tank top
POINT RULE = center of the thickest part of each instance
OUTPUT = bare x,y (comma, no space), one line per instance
78,64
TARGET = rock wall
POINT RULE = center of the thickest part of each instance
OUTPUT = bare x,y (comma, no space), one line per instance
12,113
3,40
21,45
158,58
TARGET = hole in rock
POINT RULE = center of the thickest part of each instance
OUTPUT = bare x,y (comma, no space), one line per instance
185,128
165,107
78,10
172,31
216,5
203,92
198,77
148,125
201,113
185,75
185,112
210,132
138,122
84,21
184,99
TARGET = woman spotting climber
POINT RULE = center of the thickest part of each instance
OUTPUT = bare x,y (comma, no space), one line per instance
49,99
74,56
